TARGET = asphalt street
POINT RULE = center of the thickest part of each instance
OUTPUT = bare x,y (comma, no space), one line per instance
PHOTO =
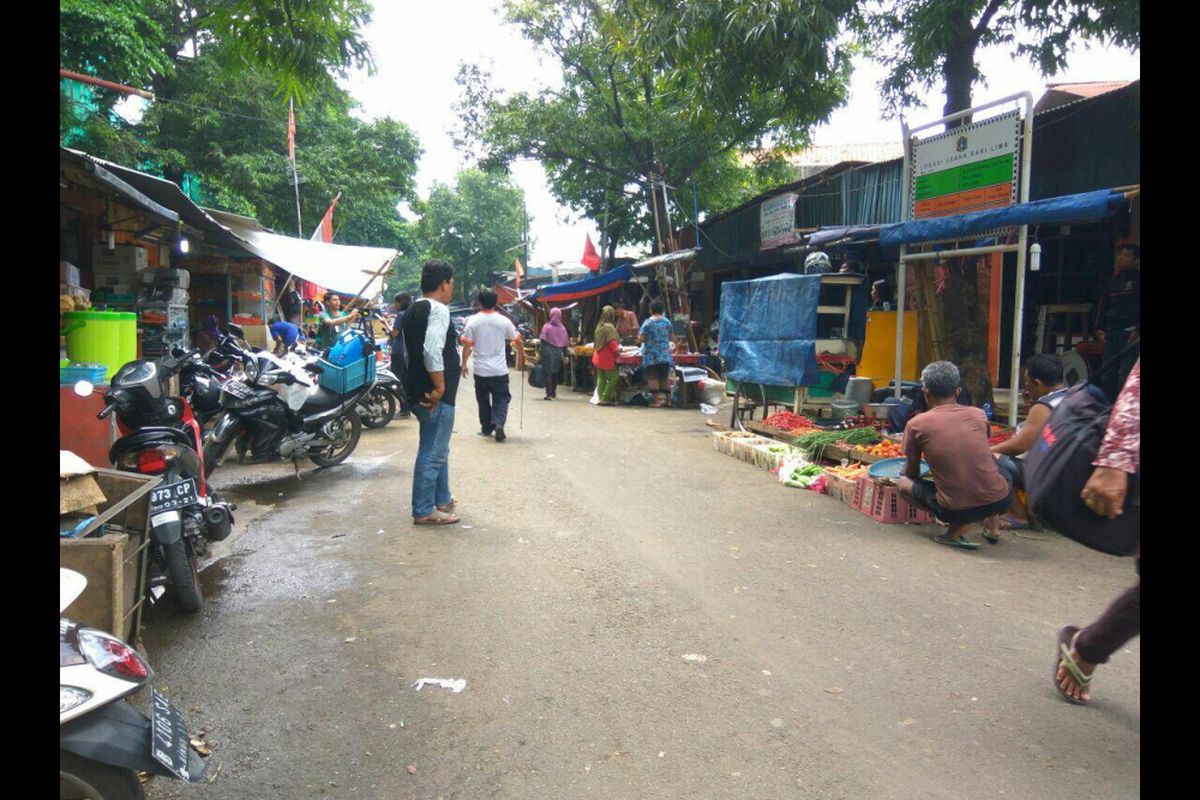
635,616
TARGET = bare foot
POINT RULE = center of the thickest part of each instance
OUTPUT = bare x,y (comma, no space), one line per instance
1068,682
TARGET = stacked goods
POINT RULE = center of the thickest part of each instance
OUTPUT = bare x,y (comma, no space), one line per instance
839,481
116,273
772,454
814,443
884,449
865,422
740,444
163,311
787,421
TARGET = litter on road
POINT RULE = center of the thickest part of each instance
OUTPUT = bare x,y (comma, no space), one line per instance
456,685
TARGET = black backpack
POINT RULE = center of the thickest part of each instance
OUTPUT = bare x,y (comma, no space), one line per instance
1060,463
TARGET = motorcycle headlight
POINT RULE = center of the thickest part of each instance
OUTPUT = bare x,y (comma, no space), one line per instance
70,697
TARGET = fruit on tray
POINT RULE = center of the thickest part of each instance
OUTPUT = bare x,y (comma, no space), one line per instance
885,449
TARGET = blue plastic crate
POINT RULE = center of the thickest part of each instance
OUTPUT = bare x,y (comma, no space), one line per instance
74,373
347,378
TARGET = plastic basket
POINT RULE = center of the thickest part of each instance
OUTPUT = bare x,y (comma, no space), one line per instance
74,373
886,505
344,379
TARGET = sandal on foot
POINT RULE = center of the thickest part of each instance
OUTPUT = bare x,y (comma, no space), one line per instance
1009,522
446,509
436,518
960,543
1066,638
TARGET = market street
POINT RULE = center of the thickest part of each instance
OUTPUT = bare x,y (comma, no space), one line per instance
599,547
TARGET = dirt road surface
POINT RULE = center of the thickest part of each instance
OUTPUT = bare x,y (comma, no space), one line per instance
635,616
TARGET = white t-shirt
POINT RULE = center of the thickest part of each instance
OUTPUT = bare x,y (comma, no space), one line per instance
487,333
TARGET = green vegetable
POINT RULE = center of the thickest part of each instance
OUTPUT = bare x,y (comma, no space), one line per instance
815,442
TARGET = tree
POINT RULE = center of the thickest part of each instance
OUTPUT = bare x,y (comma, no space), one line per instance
474,225
924,42
299,44
623,121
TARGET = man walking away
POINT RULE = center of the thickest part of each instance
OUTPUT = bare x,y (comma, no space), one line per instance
485,335
398,306
431,383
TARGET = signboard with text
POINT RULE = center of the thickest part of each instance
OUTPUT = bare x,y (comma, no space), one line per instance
969,168
776,219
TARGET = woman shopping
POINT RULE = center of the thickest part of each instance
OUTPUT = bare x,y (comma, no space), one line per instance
604,356
552,348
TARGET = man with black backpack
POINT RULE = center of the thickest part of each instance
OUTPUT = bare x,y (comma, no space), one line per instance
1116,466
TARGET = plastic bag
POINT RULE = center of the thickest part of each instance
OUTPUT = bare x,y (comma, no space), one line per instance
705,408
798,472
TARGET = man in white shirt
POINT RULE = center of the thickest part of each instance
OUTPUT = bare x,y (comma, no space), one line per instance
486,335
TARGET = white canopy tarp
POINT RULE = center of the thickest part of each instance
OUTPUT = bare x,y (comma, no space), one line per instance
338,267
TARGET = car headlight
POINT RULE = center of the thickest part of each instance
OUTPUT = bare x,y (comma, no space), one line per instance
70,697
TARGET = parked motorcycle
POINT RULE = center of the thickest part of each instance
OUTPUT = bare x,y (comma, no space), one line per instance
161,436
276,411
378,406
103,741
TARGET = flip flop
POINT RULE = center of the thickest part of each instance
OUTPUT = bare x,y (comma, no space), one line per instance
962,544
1009,522
991,538
436,518
1066,636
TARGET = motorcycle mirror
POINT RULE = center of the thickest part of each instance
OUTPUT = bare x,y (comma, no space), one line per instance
235,330
84,388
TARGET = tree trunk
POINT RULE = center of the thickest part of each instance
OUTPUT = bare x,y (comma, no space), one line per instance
963,319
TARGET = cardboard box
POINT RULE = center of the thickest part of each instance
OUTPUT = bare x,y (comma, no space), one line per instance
68,273
127,259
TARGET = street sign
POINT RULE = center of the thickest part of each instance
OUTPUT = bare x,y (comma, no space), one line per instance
968,168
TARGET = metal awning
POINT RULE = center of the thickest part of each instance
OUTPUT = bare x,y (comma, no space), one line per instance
93,167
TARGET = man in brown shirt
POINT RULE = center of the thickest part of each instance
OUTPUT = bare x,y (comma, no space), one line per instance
967,486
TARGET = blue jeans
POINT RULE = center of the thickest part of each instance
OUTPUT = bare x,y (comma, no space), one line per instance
431,474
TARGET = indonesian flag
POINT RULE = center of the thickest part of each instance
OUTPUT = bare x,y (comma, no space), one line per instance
291,133
520,271
591,259
324,231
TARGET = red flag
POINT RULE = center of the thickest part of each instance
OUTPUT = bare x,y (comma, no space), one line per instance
291,133
520,272
591,259
324,231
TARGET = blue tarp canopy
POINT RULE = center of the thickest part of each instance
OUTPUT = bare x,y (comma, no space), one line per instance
769,330
588,287
1069,208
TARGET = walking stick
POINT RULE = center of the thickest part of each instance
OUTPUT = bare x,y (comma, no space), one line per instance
522,380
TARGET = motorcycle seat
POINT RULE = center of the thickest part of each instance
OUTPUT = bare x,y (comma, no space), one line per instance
321,400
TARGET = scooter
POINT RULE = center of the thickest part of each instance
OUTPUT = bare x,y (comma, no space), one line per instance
160,436
104,742
277,411
377,407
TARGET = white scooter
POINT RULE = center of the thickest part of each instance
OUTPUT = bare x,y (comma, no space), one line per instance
104,742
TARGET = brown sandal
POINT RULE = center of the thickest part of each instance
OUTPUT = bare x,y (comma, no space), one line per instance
437,518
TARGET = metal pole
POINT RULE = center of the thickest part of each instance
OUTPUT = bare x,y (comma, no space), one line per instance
1018,316
901,291
296,184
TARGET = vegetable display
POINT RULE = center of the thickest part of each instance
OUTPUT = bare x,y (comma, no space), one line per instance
885,449
815,442
802,477
787,421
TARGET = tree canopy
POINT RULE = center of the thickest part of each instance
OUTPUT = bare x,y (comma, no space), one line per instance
475,224
624,120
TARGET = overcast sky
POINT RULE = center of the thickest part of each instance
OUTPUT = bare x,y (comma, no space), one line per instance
418,46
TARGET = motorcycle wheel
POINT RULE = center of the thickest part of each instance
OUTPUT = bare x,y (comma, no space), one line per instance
82,779
347,427
382,407
184,574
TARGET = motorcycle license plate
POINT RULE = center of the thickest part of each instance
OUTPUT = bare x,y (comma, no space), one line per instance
173,496
168,735
238,389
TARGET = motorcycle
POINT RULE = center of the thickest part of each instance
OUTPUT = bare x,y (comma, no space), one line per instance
103,741
378,407
161,436
276,411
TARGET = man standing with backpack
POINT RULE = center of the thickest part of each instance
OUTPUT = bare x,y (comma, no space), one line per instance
431,384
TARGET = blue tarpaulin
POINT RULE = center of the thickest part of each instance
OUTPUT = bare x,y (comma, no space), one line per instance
1069,208
769,328
588,287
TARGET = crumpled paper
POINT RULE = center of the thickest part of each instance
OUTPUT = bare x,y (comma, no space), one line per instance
456,685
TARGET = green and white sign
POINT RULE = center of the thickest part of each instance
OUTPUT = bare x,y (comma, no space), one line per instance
969,168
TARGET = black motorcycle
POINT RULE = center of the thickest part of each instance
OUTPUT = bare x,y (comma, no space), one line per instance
274,412
160,436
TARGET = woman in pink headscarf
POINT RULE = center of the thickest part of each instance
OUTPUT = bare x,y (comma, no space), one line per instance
552,349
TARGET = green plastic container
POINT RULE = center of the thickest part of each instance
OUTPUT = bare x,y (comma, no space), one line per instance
102,337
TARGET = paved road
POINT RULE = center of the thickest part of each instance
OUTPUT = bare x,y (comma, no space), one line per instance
599,546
